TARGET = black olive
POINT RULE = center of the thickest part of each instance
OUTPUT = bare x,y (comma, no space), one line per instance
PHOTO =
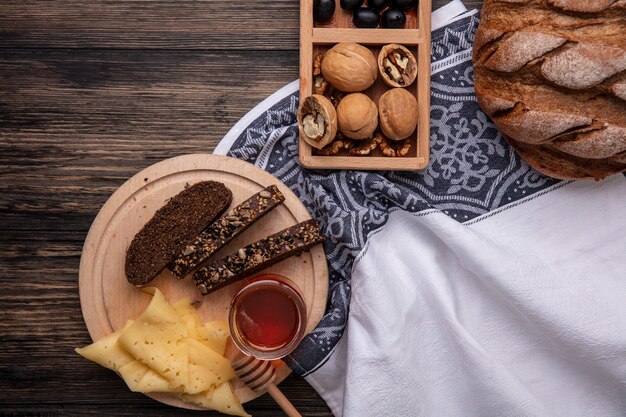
323,10
351,4
376,4
393,19
365,18
404,4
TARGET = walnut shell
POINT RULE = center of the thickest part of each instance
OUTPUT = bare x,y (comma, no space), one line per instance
317,121
397,65
357,116
397,109
349,67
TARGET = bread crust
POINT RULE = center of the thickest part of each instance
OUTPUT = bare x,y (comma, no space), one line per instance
551,74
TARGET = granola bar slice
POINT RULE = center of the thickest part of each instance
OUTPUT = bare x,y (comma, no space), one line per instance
225,229
259,255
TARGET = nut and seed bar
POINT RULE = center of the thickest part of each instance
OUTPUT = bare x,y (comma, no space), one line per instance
225,229
257,256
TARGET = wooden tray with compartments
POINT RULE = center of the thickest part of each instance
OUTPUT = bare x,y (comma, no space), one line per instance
316,38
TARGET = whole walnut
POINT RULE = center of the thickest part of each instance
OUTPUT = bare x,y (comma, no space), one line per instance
357,116
398,113
350,67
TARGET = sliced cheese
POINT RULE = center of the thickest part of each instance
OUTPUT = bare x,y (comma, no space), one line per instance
207,369
132,373
214,334
189,315
192,329
140,378
201,355
167,349
202,379
187,311
158,339
223,399
107,351
153,382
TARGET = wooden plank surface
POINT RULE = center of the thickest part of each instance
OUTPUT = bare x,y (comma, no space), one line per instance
90,93
186,24
180,24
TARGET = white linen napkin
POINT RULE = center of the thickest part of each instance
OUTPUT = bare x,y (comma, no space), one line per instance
520,312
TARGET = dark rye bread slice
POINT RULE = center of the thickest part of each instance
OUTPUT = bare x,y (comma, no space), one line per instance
551,74
172,227
225,229
257,256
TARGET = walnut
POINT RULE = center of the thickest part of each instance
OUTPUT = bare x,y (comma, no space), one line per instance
393,149
334,95
403,148
349,67
317,121
317,64
397,110
357,116
319,82
334,147
367,146
397,65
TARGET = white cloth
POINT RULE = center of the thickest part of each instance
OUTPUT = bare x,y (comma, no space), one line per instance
520,312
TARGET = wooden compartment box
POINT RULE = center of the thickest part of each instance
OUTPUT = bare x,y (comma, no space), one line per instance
316,38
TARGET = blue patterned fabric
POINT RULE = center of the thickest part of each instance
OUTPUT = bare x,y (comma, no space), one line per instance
472,171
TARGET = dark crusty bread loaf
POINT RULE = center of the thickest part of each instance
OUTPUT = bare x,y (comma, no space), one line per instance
172,227
552,76
257,256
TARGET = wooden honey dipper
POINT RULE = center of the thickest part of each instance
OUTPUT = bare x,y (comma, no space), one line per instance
259,376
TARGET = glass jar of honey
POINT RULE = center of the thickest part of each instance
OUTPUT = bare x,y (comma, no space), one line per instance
267,317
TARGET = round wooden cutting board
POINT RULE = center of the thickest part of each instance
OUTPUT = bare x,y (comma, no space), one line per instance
108,300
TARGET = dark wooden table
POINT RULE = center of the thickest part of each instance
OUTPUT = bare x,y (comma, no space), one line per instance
90,93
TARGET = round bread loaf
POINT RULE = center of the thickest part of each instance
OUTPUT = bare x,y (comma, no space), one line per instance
551,74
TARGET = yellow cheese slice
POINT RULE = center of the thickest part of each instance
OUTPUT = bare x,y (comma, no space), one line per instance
153,382
214,334
187,311
201,399
192,329
201,355
189,315
168,349
202,379
140,378
132,373
223,399
158,339
107,351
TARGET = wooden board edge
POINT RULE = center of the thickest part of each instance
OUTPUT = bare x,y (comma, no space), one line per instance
375,163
